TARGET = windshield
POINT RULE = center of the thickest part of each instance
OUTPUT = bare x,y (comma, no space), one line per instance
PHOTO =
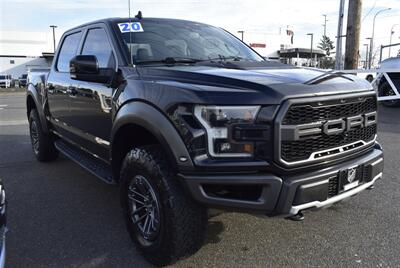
164,39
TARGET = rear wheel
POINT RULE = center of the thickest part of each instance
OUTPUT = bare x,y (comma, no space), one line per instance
386,90
42,143
164,223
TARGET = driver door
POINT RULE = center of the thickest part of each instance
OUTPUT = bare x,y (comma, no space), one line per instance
90,106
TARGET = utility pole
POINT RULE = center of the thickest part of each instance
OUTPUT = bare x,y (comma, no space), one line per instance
353,34
338,63
371,45
311,50
242,34
325,20
391,36
54,37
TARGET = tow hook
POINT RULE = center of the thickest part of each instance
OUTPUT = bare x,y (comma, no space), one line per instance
298,217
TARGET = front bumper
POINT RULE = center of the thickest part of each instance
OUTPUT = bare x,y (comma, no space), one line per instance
319,204
283,195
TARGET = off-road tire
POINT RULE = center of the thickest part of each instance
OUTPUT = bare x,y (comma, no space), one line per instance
182,221
42,143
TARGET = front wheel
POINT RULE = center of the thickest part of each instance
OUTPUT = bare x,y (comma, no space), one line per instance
164,223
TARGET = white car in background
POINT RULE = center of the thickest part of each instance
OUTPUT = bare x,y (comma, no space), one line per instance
383,86
5,80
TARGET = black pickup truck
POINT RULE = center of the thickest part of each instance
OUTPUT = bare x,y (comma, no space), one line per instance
183,116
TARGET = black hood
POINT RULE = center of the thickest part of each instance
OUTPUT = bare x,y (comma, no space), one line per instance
274,81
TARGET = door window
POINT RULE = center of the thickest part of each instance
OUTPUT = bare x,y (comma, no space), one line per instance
68,51
97,44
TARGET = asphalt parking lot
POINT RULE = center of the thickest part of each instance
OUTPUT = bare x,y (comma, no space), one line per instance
61,216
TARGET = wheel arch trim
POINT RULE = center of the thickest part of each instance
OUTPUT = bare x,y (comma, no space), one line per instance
151,119
31,92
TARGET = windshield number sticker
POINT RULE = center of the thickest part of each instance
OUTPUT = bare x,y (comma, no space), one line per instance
127,27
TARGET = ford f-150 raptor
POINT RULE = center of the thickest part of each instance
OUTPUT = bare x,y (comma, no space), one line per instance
183,116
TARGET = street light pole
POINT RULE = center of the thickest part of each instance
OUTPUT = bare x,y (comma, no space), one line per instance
325,20
391,35
311,58
371,46
338,62
369,52
242,34
366,56
54,37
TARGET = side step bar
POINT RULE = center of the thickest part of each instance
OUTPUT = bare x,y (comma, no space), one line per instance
85,160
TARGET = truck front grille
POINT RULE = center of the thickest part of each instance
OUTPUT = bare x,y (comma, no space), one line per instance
302,149
317,111
317,146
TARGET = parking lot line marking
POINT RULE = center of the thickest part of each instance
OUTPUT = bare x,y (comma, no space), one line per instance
13,123
3,105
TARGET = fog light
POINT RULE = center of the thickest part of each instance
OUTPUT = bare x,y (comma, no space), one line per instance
248,148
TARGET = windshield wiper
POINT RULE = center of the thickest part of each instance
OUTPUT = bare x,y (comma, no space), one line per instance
170,60
174,60
225,58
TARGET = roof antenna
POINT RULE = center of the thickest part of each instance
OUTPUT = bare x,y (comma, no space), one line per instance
130,33
139,15
129,9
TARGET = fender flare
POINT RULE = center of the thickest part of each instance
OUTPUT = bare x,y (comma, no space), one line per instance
148,117
32,92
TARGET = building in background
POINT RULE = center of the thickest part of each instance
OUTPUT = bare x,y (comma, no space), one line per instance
23,51
281,46
268,44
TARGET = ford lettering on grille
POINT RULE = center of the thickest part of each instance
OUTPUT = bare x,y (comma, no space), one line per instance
329,127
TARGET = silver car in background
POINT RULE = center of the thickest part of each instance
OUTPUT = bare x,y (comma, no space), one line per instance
384,86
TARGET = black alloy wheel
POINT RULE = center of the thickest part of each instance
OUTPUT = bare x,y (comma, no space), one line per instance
144,207
34,137
42,143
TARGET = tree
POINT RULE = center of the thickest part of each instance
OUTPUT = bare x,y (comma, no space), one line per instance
326,45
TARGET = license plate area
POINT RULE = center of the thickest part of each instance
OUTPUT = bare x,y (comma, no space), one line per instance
350,178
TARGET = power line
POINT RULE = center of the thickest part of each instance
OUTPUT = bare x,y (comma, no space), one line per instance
372,8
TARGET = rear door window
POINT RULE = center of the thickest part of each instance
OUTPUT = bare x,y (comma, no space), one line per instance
68,51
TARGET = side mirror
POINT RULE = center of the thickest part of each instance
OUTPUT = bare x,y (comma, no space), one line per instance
86,68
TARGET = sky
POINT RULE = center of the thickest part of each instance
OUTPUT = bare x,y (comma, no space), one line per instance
264,16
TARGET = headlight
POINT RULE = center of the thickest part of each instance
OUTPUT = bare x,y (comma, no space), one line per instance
218,122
